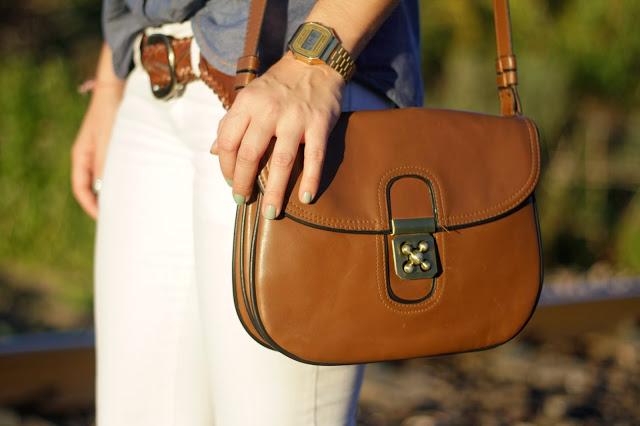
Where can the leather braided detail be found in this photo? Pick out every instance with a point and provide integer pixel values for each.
(154, 58)
(155, 61)
(221, 84)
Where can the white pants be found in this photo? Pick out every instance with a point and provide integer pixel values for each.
(170, 350)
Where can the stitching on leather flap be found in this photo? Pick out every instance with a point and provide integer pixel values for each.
(527, 187)
(298, 211)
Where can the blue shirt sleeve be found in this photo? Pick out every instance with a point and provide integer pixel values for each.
(119, 29)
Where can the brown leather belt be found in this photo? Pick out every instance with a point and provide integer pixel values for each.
(167, 60)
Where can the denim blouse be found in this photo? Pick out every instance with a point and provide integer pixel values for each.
(389, 64)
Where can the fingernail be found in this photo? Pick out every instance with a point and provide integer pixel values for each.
(270, 212)
(306, 197)
(229, 181)
(239, 199)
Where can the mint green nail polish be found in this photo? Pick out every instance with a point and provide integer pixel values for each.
(306, 197)
(239, 199)
(229, 181)
(270, 212)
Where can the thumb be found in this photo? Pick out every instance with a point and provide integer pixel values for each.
(214, 148)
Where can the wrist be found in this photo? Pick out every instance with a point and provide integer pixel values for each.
(95, 85)
(107, 95)
(320, 71)
(315, 43)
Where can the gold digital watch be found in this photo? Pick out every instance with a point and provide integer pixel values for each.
(314, 43)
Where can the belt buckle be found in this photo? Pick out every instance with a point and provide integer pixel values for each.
(173, 89)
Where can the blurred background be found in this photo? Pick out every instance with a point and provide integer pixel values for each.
(578, 361)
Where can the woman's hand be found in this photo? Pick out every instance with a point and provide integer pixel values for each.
(293, 101)
(87, 153)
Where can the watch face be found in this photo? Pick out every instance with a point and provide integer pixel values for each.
(311, 40)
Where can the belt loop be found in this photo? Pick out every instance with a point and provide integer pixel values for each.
(137, 50)
(195, 57)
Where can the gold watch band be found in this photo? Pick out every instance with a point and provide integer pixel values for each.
(315, 43)
(341, 61)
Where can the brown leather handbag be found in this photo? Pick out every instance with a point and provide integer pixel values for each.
(437, 252)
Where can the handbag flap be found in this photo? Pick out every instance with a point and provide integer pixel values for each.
(478, 166)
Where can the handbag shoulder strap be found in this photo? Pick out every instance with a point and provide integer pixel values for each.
(506, 69)
(507, 78)
(248, 64)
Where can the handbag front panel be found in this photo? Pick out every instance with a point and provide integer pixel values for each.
(338, 310)
(322, 285)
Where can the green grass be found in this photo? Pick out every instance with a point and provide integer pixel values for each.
(45, 237)
(579, 66)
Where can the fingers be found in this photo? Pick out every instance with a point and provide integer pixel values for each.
(242, 143)
(100, 154)
(231, 130)
(277, 104)
(280, 165)
(214, 146)
(314, 154)
(81, 179)
(252, 148)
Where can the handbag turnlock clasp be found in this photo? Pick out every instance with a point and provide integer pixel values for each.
(414, 250)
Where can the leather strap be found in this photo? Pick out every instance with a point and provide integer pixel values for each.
(507, 79)
(248, 64)
(507, 75)
(154, 60)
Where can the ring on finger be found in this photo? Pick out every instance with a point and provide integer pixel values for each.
(96, 186)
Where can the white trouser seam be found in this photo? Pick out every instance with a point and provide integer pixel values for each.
(315, 395)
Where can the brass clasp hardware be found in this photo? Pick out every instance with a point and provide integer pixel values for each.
(414, 250)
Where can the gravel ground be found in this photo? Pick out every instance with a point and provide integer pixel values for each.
(592, 379)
